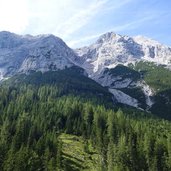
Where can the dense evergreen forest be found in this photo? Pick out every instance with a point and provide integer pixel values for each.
(44, 116)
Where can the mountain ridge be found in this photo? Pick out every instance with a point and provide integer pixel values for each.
(69, 118)
(112, 50)
(24, 53)
(125, 49)
(110, 61)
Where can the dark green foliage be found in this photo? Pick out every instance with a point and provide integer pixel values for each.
(162, 106)
(34, 114)
(69, 81)
(124, 72)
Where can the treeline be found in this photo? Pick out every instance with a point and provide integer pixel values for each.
(32, 117)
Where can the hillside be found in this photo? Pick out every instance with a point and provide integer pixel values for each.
(159, 78)
(136, 70)
(116, 62)
(97, 108)
(52, 123)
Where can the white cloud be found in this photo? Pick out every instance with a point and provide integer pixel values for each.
(133, 24)
(13, 15)
(68, 18)
(118, 4)
(80, 18)
(60, 17)
(118, 28)
(74, 43)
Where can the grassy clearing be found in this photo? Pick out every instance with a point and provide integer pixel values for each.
(78, 154)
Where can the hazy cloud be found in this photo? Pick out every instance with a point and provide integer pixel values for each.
(13, 15)
(81, 21)
(80, 18)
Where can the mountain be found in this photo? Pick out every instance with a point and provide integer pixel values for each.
(133, 69)
(70, 80)
(25, 53)
(112, 49)
(112, 59)
(61, 120)
(83, 110)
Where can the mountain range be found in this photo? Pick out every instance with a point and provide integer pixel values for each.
(135, 70)
(103, 107)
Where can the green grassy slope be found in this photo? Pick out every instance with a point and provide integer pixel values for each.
(49, 123)
(78, 154)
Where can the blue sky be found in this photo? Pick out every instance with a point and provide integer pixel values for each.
(81, 22)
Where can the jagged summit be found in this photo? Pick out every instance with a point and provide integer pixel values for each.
(108, 37)
(105, 61)
(108, 56)
(39, 53)
(112, 49)
(145, 40)
(113, 37)
(8, 39)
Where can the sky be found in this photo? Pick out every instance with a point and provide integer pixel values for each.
(81, 22)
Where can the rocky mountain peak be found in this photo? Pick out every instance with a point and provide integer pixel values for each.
(107, 37)
(112, 49)
(112, 38)
(9, 40)
(39, 53)
(106, 61)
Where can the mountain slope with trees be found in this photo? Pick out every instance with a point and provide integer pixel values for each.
(42, 116)
(159, 78)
